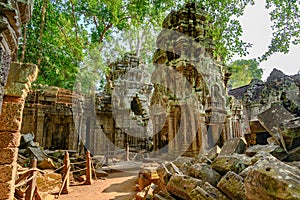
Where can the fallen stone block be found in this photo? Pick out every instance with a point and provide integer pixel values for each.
(235, 145)
(213, 152)
(246, 160)
(233, 186)
(290, 133)
(223, 164)
(162, 196)
(46, 164)
(271, 179)
(294, 164)
(147, 176)
(204, 172)
(274, 150)
(181, 160)
(262, 156)
(142, 194)
(165, 171)
(202, 159)
(188, 188)
(245, 172)
(272, 118)
(293, 155)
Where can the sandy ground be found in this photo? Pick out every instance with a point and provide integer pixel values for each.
(117, 186)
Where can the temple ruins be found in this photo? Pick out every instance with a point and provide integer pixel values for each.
(183, 112)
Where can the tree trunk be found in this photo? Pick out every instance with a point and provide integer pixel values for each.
(40, 47)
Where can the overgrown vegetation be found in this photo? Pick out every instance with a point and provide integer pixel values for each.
(63, 34)
(243, 71)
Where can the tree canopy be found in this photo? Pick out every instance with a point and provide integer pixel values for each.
(243, 71)
(62, 34)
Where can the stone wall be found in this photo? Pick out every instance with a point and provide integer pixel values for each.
(18, 83)
(15, 81)
(48, 113)
(12, 15)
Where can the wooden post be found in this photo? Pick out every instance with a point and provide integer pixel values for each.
(127, 152)
(31, 185)
(66, 174)
(88, 171)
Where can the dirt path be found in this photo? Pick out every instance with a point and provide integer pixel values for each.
(117, 186)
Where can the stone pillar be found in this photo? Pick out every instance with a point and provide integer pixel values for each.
(171, 132)
(194, 124)
(40, 126)
(18, 84)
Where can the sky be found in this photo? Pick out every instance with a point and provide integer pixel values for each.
(257, 30)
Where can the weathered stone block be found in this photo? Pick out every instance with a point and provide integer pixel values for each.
(204, 172)
(271, 179)
(147, 176)
(235, 145)
(223, 164)
(294, 155)
(290, 133)
(16, 89)
(213, 152)
(246, 160)
(272, 118)
(6, 191)
(274, 150)
(181, 160)
(9, 139)
(163, 196)
(11, 116)
(189, 188)
(244, 173)
(8, 155)
(22, 73)
(233, 186)
(202, 159)
(262, 156)
(7, 173)
(165, 171)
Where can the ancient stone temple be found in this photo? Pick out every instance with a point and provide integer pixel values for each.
(62, 119)
(15, 81)
(188, 103)
(123, 108)
(279, 92)
(48, 114)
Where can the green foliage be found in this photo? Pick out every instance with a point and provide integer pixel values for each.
(92, 72)
(243, 71)
(285, 16)
(65, 43)
(61, 50)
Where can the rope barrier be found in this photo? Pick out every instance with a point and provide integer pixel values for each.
(78, 163)
(29, 170)
(79, 170)
(24, 182)
(57, 169)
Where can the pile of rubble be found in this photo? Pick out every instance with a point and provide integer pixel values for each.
(233, 172)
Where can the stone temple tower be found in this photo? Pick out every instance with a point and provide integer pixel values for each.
(188, 103)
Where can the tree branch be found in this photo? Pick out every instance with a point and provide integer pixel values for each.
(75, 21)
(44, 9)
